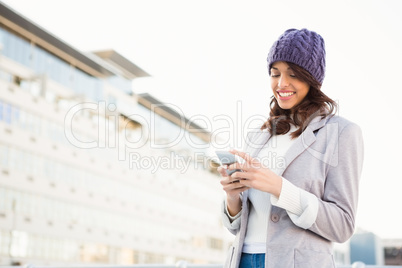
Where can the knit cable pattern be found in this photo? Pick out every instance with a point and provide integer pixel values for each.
(302, 47)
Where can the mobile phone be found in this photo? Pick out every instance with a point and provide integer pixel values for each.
(227, 158)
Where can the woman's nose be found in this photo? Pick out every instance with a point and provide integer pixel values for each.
(283, 82)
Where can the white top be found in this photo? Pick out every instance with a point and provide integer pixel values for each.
(301, 206)
(272, 156)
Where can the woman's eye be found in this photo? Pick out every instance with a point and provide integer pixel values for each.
(275, 75)
(292, 75)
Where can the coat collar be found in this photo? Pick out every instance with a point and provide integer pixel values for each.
(301, 144)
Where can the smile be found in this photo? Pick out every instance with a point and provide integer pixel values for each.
(285, 94)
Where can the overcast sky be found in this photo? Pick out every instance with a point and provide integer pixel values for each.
(209, 58)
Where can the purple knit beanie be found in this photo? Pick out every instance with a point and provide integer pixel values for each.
(302, 47)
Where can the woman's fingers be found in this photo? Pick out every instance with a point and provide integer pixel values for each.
(238, 165)
(248, 164)
(243, 155)
(244, 176)
(229, 180)
(222, 171)
(233, 186)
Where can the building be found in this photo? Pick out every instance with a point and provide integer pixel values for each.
(91, 172)
(342, 253)
(366, 247)
(392, 251)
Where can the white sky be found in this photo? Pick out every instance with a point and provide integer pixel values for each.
(205, 56)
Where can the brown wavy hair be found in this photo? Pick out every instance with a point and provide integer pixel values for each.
(315, 103)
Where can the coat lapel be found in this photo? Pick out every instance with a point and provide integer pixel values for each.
(258, 143)
(303, 142)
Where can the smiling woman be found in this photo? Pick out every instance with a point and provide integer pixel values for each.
(288, 89)
(288, 216)
(296, 93)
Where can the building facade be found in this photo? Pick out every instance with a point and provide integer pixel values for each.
(91, 172)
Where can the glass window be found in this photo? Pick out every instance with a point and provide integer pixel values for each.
(34, 87)
(2, 37)
(37, 166)
(24, 203)
(2, 201)
(4, 156)
(8, 44)
(16, 48)
(39, 60)
(16, 202)
(39, 207)
(4, 242)
(55, 131)
(22, 119)
(24, 52)
(31, 246)
(15, 115)
(7, 108)
(48, 168)
(36, 124)
(28, 122)
(1, 110)
(60, 137)
(13, 155)
(6, 76)
(29, 164)
(9, 197)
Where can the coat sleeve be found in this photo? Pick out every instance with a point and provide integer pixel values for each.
(301, 206)
(337, 207)
(232, 223)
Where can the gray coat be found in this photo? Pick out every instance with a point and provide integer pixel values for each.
(326, 160)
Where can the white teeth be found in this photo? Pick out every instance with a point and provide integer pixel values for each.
(285, 94)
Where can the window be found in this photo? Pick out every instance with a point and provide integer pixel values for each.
(214, 243)
(19, 244)
(4, 156)
(5, 112)
(5, 76)
(4, 242)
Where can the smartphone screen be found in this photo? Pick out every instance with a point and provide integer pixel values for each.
(227, 158)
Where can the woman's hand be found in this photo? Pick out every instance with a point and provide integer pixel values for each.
(231, 185)
(255, 175)
(233, 188)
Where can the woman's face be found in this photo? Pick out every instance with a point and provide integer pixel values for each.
(288, 90)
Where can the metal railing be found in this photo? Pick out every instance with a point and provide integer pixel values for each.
(362, 265)
(180, 264)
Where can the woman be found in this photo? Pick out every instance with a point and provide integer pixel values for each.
(297, 192)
